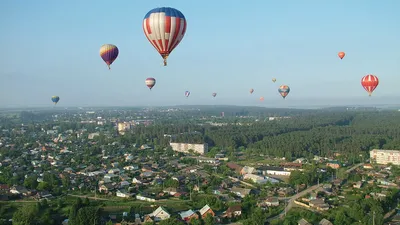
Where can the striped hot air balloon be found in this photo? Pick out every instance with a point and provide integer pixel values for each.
(284, 90)
(164, 28)
(369, 83)
(187, 93)
(150, 82)
(109, 54)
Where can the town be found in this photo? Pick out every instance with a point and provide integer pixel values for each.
(200, 165)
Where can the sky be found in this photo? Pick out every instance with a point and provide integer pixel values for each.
(52, 48)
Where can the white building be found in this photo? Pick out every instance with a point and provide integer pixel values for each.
(185, 147)
(381, 156)
(160, 214)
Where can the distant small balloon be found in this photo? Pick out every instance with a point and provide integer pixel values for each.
(251, 91)
(261, 98)
(274, 80)
(55, 99)
(150, 82)
(214, 94)
(187, 93)
(341, 55)
(284, 90)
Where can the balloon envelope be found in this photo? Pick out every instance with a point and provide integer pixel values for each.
(261, 98)
(284, 90)
(150, 82)
(251, 91)
(214, 94)
(273, 80)
(55, 99)
(165, 28)
(109, 53)
(341, 55)
(369, 83)
(187, 93)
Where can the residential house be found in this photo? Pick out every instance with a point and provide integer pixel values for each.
(145, 198)
(303, 222)
(170, 191)
(247, 170)
(19, 190)
(234, 166)
(205, 211)
(137, 181)
(105, 188)
(255, 178)
(272, 201)
(188, 215)
(325, 222)
(159, 214)
(333, 164)
(241, 192)
(4, 188)
(44, 195)
(233, 211)
(123, 194)
(358, 185)
(131, 167)
(114, 171)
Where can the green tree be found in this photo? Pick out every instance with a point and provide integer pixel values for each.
(194, 221)
(209, 220)
(26, 215)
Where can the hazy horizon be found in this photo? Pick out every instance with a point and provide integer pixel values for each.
(52, 48)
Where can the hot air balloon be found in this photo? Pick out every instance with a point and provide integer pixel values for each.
(164, 28)
(187, 93)
(274, 80)
(341, 55)
(150, 82)
(109, 53)
(370, 82)
(214, 94)
(284, 90)
(55, 99)
(261, 98)
(251, 91)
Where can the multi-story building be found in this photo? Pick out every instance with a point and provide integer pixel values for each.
(185, 147)
(381, 156)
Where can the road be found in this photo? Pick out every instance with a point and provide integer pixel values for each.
(291, 201)
(354, 167)
(97, 198)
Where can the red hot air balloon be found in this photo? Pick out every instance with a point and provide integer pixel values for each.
(341, 55)
(261, 98)
(164, 28)
(109, 53)
(150, 82)
(369, 83)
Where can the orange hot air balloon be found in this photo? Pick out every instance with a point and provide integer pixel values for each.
(261, 98)
(341, 55)
(251, 91)
(369, 83)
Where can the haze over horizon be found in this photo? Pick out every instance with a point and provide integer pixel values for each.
(52, 48)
